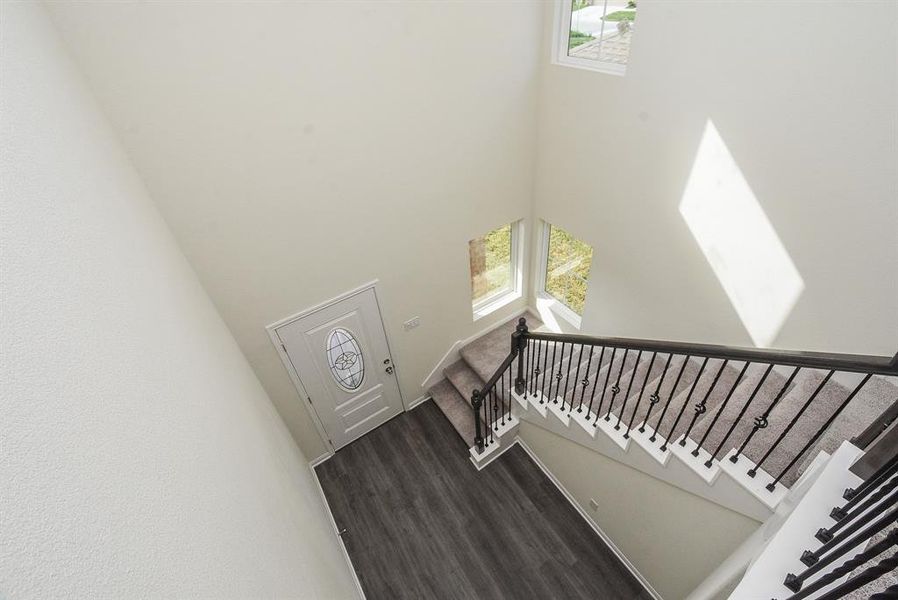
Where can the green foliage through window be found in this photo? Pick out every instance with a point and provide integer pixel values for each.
(578, 38)
(490, 258)
(567, 268)
(621, 15)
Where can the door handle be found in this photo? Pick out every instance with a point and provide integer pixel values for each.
(389, 370)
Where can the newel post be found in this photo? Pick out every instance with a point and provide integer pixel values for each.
(477, 402)
(519, 343)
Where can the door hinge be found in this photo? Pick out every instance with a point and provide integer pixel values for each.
(284, 347)
(309, 398)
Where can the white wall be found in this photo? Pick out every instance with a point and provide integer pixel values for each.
(804, 95)
(674, 539)
(140, 455)
(298, 150)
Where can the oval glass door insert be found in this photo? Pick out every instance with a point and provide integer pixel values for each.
(345, 359)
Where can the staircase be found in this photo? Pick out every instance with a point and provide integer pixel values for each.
(737, 426)
(477, 363)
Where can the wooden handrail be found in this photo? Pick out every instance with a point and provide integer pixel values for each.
(856, 363)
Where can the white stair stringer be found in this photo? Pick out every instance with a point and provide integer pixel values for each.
(680, 470)
(607, 425)
(503, 438)
(561, 411)
(652, 447)
(793, 530)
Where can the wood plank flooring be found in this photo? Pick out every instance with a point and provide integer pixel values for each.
(422, 522)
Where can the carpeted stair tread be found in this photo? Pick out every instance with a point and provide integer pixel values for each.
(705, 389)
(643, 386)
(765, 395)
(463, 378)
(826, 402)
(871, 401)
(485, 354)
(456, 409)
(663, 420)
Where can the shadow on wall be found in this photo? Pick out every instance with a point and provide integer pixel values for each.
(738, 240)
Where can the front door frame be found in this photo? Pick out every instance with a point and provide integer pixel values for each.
(294, 376)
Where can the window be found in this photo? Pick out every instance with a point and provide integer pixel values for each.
(495, 269)
(345, 359)
(595, 34)
(565, 263)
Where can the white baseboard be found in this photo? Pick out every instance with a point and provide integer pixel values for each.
(324, 457)
(415, 403)
(595, 527)
(330, 516)
(452, 355)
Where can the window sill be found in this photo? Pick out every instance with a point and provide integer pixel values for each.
(495, 304)
(591, 65)
(558, 308)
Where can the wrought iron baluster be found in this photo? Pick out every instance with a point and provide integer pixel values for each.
(605, 385)
(754, 471)
(620, 412)
(884, 566)
(502, 398)
(809, 557)
(528, 369)
(556, 375)
(723, 406)
(772, 486)
(794, 582)
(615, 389)
(761, 421)
(510, 380)
(882, 473)
(595, 381)
(552, 373)
(567, 378)
(827, 535)
(655, 398)
(670, 397)
(641, 393)
(861, 579)
(534, 382)
(576, 380)
(542, 389)
(702, 406)
(488, 412)
(685, 404)
(585, 381)
(741, 413)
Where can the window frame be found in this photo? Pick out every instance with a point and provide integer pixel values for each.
(543, 297)
(561, 34)
(497, 300)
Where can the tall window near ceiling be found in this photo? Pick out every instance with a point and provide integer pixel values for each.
(565, 262)
(595, 34)
(495, 260)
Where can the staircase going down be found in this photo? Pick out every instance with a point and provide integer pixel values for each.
(760, 420)
(749, 429)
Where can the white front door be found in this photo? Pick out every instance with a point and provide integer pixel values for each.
(341, 356)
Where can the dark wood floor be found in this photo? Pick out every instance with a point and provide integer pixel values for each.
(422, 522)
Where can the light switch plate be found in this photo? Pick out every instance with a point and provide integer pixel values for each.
(411, 323)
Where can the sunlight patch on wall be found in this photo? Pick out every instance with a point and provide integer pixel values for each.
(739, 241)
